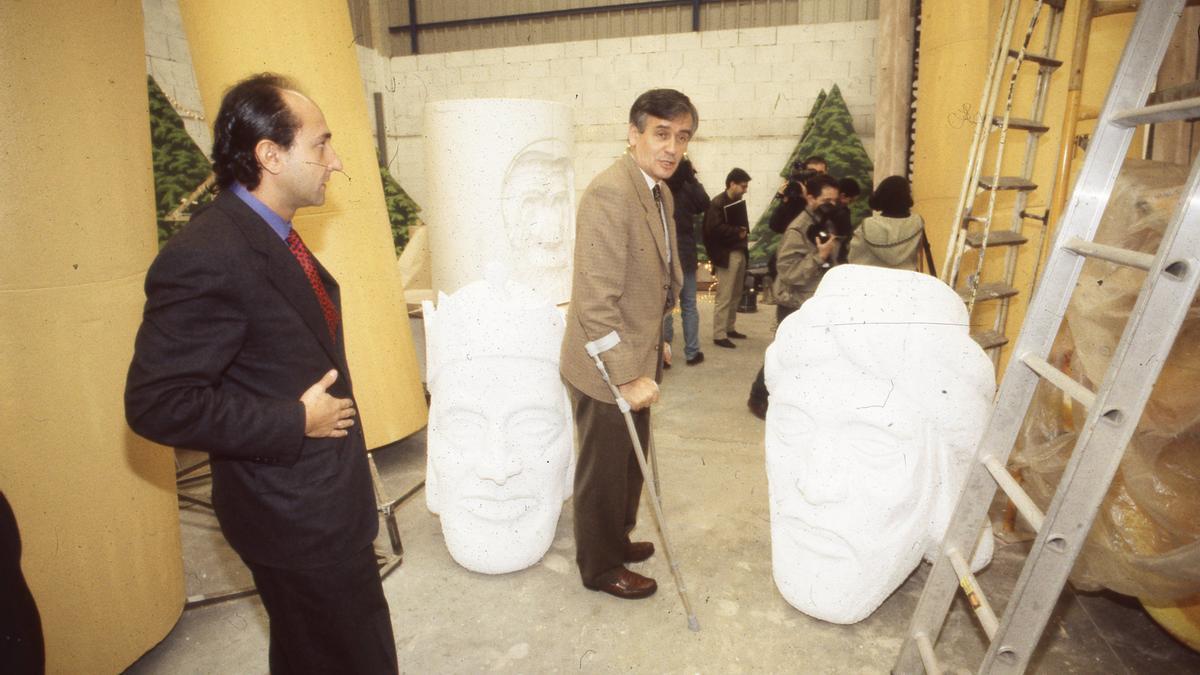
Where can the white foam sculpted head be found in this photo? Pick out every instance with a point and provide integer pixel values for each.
(500, 455)
(878, 396)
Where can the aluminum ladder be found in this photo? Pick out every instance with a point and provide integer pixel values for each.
(1114, 410)
(982, 180)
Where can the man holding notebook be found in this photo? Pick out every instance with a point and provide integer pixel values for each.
(725, 229)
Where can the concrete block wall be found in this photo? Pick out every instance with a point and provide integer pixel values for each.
(169, 62)
(753, 88)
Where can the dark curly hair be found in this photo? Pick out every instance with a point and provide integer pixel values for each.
(251, 111)
(892, 197)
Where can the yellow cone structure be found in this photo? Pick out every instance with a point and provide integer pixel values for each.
(311, 42)
(95, 504)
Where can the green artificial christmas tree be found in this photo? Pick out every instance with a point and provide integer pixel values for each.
(179, 165)
(830, 133)
(402, 210)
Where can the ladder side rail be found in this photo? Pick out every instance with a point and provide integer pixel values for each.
(1001, 146)
(943, 583)
(1088, 474)
(1132, 83)
(1032, 143)
(1153, 325)
(954, 244)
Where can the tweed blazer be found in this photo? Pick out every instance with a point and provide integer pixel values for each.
(622, 280)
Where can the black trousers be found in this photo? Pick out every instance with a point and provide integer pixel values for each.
(608, 483)
(22, 646)
(331, 619)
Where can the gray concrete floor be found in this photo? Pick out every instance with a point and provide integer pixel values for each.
(541, 620)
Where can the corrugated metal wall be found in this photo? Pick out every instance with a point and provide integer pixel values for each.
(650, 20)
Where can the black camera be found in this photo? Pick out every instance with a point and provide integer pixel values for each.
(794, 190)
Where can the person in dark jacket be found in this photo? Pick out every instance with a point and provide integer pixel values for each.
(726, 246)
(691, 201)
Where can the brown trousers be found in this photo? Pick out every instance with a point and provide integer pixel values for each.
(608, 483)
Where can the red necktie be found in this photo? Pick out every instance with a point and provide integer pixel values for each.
(305, 258)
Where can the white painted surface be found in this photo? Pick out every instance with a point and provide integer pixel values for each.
(878, 397)
(503, 190)
(501, 443)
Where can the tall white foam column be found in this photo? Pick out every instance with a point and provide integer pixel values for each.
(501, 189)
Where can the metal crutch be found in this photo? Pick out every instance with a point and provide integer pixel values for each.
(594, 349)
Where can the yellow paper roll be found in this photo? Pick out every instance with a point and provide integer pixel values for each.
(311, 42)
(95, 504)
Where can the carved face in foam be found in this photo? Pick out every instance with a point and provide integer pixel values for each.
(877, 398)
(500, 447)
(537, 196)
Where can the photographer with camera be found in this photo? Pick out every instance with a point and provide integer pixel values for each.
(811, 244)
(792, 195)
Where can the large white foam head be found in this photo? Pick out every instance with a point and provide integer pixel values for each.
(878, 396)
(500, 442)
(501, 187)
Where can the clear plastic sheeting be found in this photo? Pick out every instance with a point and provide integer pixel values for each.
(1145, 541)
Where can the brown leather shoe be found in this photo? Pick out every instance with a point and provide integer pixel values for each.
(625, 584)
(637, 551)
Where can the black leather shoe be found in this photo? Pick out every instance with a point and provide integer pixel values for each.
(724, 342)
(696, 360)
(624, 584)
(637, 551)
(758, 408)
(736, 335)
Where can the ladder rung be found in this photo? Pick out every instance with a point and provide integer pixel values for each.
(1178, 92)
(1059, 379)
(1156, 114)
(996, 238)
(1033, 515)
(992, 290)
(1040, 59)
(1113, 254)
(1021, 123)
(925, 647)
(990, 339)
(1033, 216)
(1007, 183)
(974, 219)
(975, 597)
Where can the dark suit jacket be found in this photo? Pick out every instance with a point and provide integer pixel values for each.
(690, 201)
(231, 336)
(720, 237)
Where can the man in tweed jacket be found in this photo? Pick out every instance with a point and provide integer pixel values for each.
(626, 269)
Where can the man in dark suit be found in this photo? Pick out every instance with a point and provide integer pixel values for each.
(240, 354)
(626, 271)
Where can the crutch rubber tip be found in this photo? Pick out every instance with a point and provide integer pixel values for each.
(693, 624)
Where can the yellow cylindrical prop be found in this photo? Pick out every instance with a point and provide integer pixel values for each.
(1181, 620)
(95, 504)
(311, 42)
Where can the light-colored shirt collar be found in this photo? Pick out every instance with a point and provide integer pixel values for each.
(280, 226)
(650, 182)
